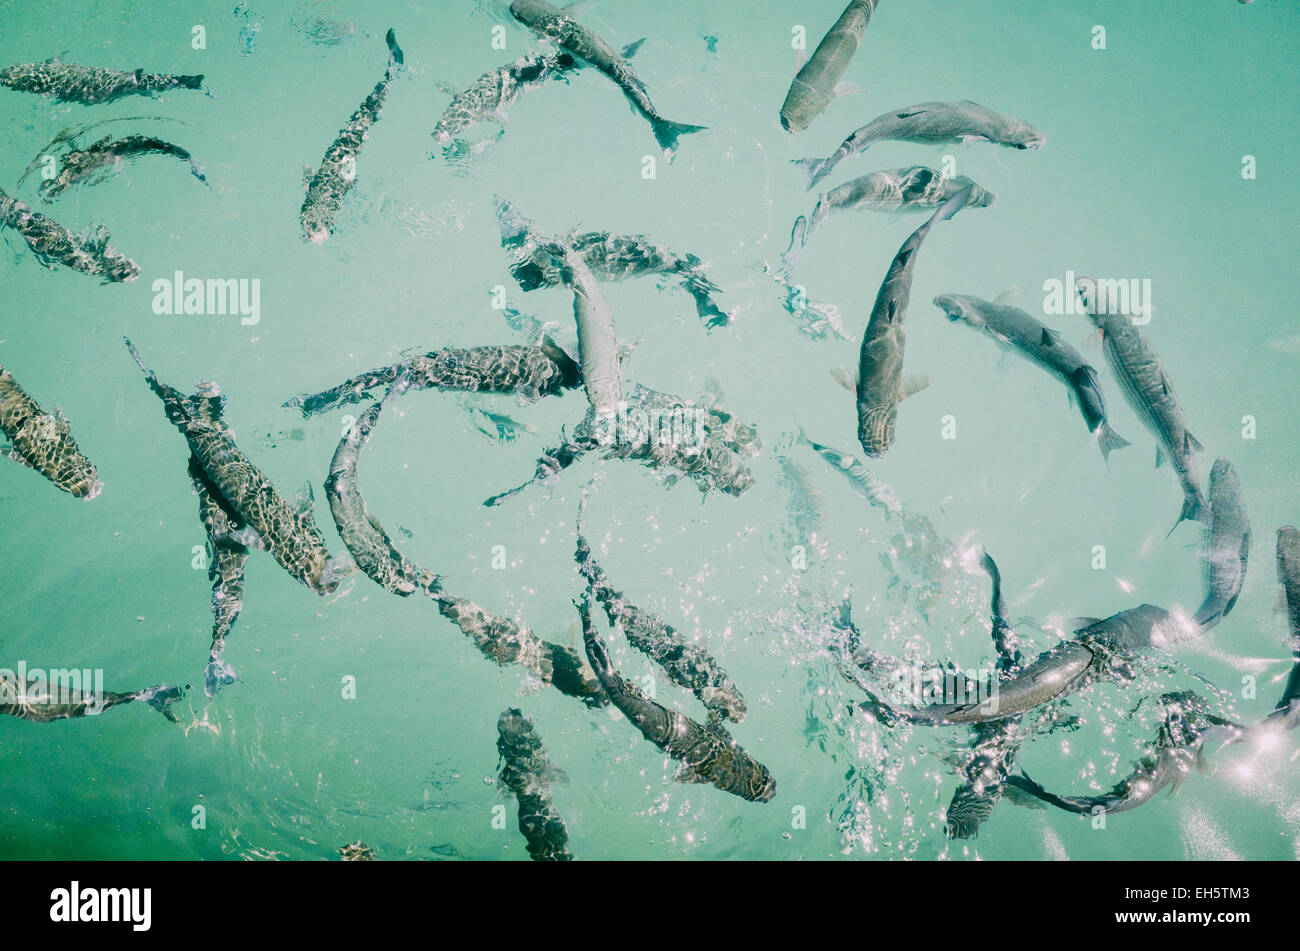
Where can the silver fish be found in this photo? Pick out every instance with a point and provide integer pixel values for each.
(79, 164)
(42, 701)
(933, 123)
(492, 92)
(558, 26)
(880, 360)
(1149, 390)
(1227, 545)
(1014, 329)
(861, 479)
(814, 87)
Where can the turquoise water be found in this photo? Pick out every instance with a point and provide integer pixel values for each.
(1141, 177)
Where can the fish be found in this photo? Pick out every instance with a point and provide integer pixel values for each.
(527, 372)
(1227, 545)
(931, 123)
(90, 85)
(288, 532)
(817, 82)
(338, 170)
(227, 556)
(665, 432)
(567, 33)
(42, 701)
(52, 243)
(365, 539)
(878, 387)
(79, 164)
(602, 377)
(526, 772)
(1288, 575)
(861, 479)
(356, 851)
(43, 442)
(804, 501)
(687, 665)
(899, 190)
(1015, 330)
(706, 757)
(501, 640)
(1180, 743)
(1149, 391)
(538, 260)
(492, 92)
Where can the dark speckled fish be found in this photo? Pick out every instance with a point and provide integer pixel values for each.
(338, 170)
(492, 92)
(538, 260)
(710, 454)
(507, 643)
(80, 164)
(687, 665)
(706, 756)
(366, 541)
(226, 558)
(90, 85)
(528, 372)
(44, 442)
(54, 244)
(42, 701)
(526, 772)
(289, 533)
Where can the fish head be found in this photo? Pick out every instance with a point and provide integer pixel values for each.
(958, 307)
(532, 12)
(1022, 135)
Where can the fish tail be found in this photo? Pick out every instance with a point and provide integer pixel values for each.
(1209, 614)
(1108, 440)
(819, 213)
(161, 698)
(798, 238)
(394, 51)
(191, 82)
(817, 169)
(666, 134)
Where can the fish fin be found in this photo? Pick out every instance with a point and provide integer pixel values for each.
(1192, 511)
(632, 48)
(908, 114)
(848, 89)
(1109, 440)
(1076, 624)
(911, 385)
(1008, 297)
(218, 673)
(972, 138)
(688, 775)
(1160, 457)
(666, 134)
(447, 88)
(1050, 338)
(1192, 444)
(953, 205)
(12, 452)
(139, 75)
(846, 377)
(305, 499)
